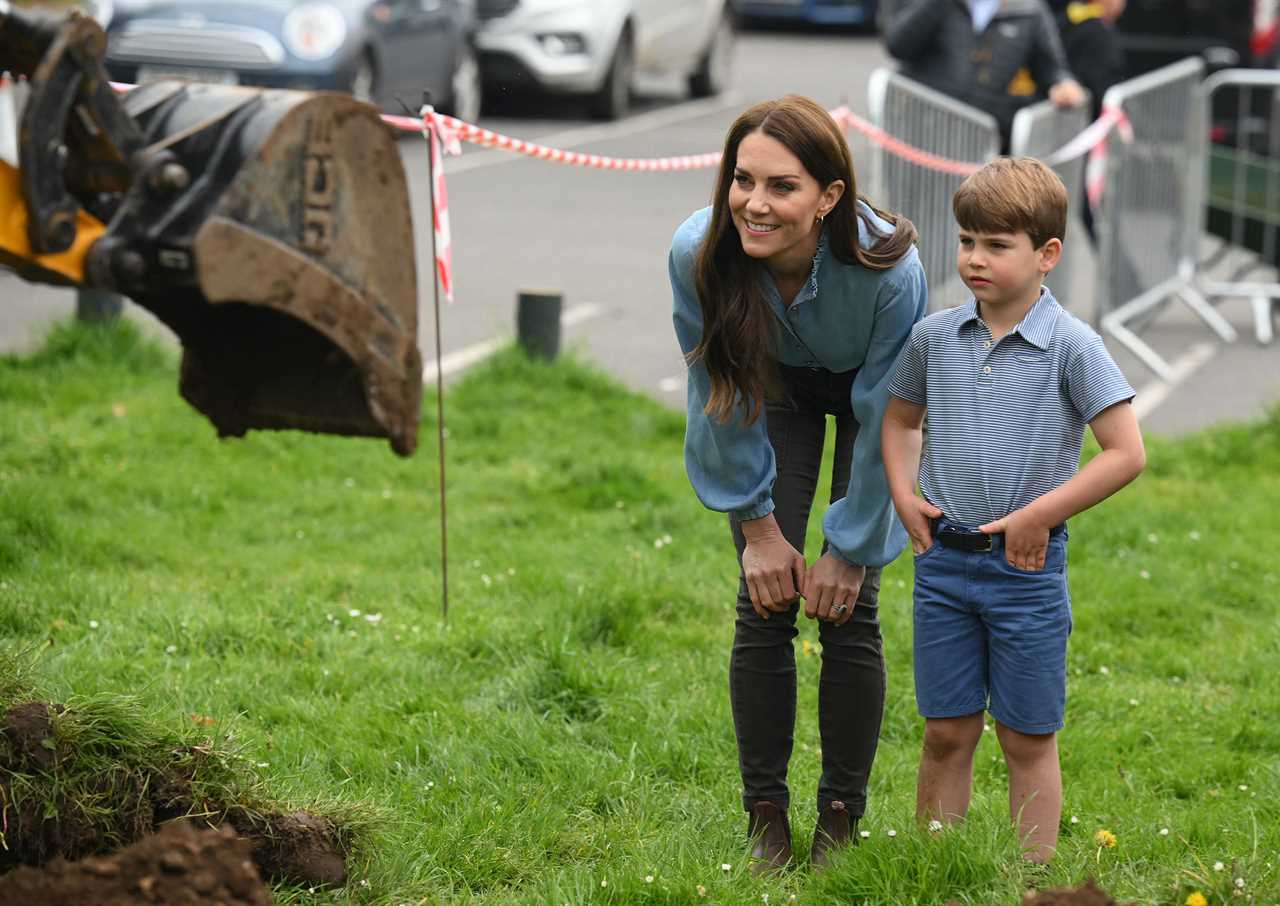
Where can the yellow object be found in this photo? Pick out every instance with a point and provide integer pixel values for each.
(1196, 898)
(1023, 85)
(1083, 12)
(15, 248)
(1105, 838)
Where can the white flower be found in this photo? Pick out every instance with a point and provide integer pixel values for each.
(1193, 535)
(1104, 670)
(1134, 702)
(935, 825)
(171, 649)
(93, 624)
(1153, 538)
(648, 879)
(1239, 883)
(1164, 831)
(865, 835)
(373, 617)
(658, 542)
(666, 539)
(891, 832)
(604, 883)
(1243, 787)
(724, 866)
(1075, 819)
(353, 613)
(1218, 866)
(486, 580)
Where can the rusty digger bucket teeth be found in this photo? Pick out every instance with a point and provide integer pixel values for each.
(270, 230)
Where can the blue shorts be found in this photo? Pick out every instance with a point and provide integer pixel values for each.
(992, 637)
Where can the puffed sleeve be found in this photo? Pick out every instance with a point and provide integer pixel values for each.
(862, 528)
(731, 465)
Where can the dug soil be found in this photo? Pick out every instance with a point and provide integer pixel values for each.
(122, 805)
(1088, 894)
(181, 865)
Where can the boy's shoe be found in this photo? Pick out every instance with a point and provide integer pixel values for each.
(835, 830)
(770, 836)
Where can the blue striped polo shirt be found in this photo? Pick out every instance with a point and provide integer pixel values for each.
(1006, 419)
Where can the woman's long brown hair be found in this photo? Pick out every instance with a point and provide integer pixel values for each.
(739, 331)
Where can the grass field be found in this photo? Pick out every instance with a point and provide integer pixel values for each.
(565, 737)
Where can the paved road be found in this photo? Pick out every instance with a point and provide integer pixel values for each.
(601, 237)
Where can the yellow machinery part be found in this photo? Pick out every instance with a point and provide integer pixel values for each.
(15, 248)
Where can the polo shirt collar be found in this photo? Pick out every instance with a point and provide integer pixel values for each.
(1036, 326)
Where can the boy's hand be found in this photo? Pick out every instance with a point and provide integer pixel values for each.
(829, 584)
(1026, 540)
(1066, 93)
(915, 515)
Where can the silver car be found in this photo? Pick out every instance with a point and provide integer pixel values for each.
(595, 48)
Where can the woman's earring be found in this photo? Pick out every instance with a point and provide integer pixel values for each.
(820, 216)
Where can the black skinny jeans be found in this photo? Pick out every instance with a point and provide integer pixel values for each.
(762, 667)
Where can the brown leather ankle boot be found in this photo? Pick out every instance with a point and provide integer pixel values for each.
(835, 830)
(770, 836)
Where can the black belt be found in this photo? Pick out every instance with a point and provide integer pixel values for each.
(973, 542)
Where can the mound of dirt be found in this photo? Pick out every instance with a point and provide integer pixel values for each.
(1087, 894)
(125, 805)
(182, 865)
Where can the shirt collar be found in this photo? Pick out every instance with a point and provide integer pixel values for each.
(1036, 326)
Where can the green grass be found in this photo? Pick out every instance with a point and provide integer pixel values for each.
(566, 735)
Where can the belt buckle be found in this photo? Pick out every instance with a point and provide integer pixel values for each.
(972, 542)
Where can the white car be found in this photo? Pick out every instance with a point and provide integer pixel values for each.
(595, 48)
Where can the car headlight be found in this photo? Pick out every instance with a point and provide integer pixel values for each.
(314, 31)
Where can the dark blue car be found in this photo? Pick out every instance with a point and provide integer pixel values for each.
(814, 12)
(375, 49)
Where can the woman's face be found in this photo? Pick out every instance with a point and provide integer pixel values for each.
(775, 202)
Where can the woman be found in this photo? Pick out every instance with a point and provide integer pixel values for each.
(792, 298)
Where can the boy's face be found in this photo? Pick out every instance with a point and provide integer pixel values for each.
(1003, 268)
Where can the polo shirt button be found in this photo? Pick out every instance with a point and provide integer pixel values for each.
(986, 344)
(986, 369)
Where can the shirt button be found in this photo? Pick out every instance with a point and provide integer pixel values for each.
(986, 369)
(986, 344)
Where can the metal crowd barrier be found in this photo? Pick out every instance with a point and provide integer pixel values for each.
(1150, 215)
(932, 122)
(1243, 187)
(1038, 131)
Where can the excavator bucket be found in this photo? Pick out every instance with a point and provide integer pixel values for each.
(288, 273)
(270, 230)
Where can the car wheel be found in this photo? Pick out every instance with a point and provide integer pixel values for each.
(613, 100)
(465, 89)
(713, 73)
(364, 81)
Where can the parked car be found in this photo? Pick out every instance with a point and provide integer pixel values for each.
(595, 48)
(812, 12)
(375, 49)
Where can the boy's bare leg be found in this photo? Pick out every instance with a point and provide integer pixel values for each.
(1035, 789)
(945, 782)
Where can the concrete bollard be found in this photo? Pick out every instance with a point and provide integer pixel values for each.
(538, 323)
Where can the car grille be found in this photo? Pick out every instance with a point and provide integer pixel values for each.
(492, 9)
(241, 48)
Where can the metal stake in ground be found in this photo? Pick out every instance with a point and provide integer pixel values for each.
(435, 285)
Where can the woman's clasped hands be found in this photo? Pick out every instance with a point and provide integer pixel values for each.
(776, 575)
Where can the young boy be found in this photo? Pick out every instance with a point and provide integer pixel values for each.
(1009, 381)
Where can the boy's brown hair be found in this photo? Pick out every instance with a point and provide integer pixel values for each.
(1013, 195)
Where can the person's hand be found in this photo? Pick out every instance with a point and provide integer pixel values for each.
(915, 515)
(1112, 10)
(1025, 539)
(775, 573)
(1066, 93)
(831, 589)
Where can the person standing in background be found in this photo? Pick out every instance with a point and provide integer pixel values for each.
(996, 55)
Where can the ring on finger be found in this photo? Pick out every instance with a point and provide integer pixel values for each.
(839, 609)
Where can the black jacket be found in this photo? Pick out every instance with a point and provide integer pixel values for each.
(1007, 66)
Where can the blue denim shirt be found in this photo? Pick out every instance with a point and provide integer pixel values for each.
(846, 317)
